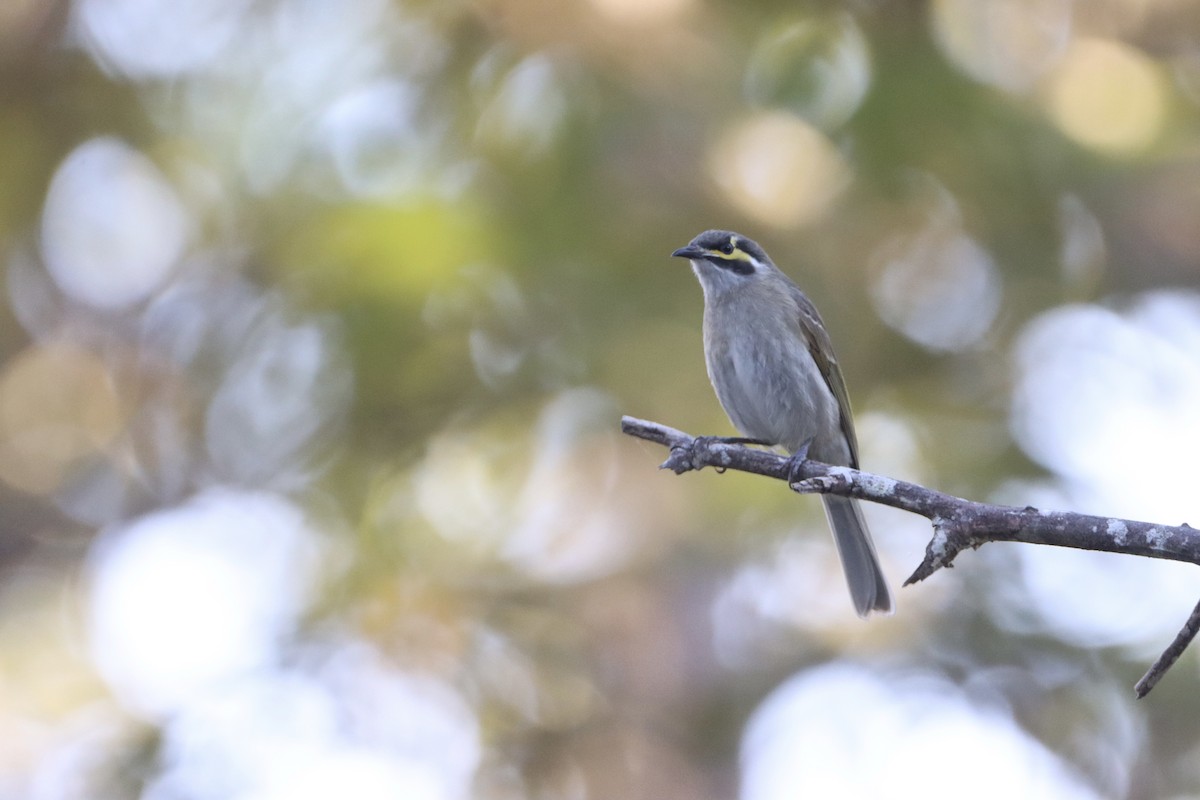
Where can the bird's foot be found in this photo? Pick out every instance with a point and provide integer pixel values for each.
(796, 463)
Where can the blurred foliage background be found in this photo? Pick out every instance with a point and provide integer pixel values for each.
(320, 317)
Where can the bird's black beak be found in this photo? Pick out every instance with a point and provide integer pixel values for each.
(691, 251)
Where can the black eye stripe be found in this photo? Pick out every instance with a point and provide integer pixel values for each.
(735, 265)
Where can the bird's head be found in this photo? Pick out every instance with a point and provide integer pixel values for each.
(724, 260)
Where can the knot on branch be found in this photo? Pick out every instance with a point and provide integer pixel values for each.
(818, 484)
(696, 454)
(949, 539)
(682, 459)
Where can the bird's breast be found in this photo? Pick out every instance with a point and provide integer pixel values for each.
(767, 381)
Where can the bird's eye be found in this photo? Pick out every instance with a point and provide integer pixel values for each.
(726, 248)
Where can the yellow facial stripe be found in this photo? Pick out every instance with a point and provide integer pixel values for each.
(738, 254)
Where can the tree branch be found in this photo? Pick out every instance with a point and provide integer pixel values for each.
(958, 524)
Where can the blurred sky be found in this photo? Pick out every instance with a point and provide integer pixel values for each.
(320, 318)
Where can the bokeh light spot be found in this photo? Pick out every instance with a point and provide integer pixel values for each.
(641, 12)
(568, 528)
(58, 407)
(1057, 593)
(839, 731)
(554, 520)
(158, 38)
(187, 597)
(1096, 387)
(286, 388)
(458, 491)
(1005, 43)
(113, 228)
(778, 169)
(350, 725)
(1094, 384)
(819, 68)
(937, 285)
(373, 139)
(1108, 96)
(524, 113)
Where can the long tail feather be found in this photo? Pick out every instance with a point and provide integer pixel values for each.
(868, 588)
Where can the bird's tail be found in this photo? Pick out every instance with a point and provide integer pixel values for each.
(868, 588)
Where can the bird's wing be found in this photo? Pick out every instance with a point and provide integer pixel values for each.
(821, 350)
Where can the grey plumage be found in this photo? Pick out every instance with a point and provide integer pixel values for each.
(772, 365)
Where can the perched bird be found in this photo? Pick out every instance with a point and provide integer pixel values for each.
(772, 365)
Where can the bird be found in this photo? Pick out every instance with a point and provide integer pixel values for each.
(772, 366)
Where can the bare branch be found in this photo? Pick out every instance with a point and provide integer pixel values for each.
(1170, 655)
(958, 524)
